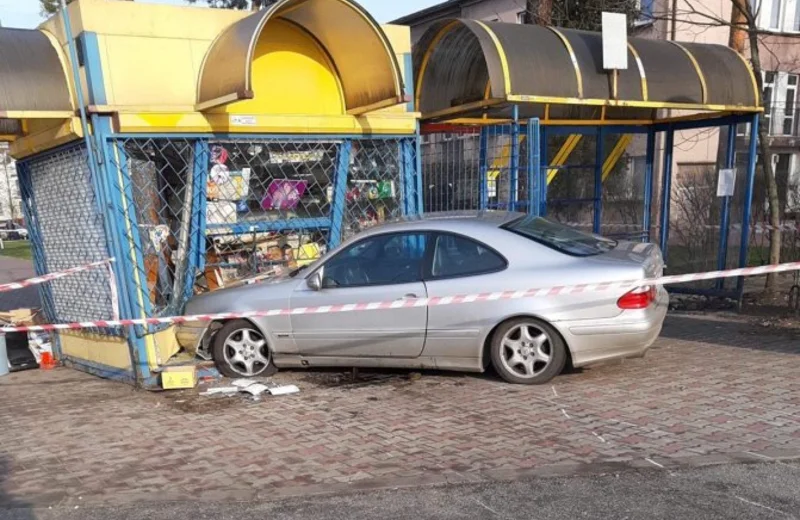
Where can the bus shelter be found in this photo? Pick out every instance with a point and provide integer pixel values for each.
(505, 109)
(197, 147)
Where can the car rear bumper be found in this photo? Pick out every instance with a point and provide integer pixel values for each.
(628, 335)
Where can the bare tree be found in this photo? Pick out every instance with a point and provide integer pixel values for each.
(748, 39)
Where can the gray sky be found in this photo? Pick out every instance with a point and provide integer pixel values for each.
(25, 13)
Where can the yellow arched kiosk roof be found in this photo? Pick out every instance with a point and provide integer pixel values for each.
(299, 67)
(338, 35)
(470, 69)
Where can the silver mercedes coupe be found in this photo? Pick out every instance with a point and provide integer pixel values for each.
(526, 340)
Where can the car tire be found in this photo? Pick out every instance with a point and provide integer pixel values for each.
(240, 350)
(528, 351)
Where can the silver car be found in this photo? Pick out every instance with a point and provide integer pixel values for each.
(527, 340)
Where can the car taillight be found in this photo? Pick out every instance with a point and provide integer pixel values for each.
(639, 298)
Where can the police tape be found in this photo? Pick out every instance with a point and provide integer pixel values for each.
(418, 302)
(52, 276)
(757, 228)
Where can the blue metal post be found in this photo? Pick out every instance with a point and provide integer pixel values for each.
(483, 188)
(725, 220)
(418, 172)
(197, 249)
(648, 182)
(534, 162)
(666, 192)
(748, 199)
(598, 180)
(339, 202)
(544, 163)
(409, 177)
(513, 174)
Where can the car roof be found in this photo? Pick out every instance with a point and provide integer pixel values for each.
(452, 220)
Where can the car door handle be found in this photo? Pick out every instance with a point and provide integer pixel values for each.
(408, 296)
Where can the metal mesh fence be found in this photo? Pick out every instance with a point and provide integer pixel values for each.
(206, 214)
(67, 230)
(475, 167)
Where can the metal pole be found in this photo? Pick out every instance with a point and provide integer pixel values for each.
(76, 77)
(534, 160)
(513, 174)
(725, 220)
(598, 180)
(666, 191)
(483, 188)
(648, 182)
(748, 200)
(543, 165)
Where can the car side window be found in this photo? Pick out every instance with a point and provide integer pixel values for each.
(456, 256)
(380, 260)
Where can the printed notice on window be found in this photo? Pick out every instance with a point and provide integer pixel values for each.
(243, 120)
(727, 182)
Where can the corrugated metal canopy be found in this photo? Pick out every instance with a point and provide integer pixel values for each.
(360, 51)
(467, 68)
(32, 76)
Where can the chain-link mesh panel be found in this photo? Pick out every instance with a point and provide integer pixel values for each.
(62, 207)
(160, 184)
(255, 206)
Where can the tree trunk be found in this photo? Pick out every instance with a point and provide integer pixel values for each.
(738, 36)
(743, 8)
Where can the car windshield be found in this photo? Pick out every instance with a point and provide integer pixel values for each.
(560, 237)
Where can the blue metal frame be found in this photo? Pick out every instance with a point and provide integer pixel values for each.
(544, 161)
(339, 202)
(725, 218)
(101, 370)
(483, 167)
(408, 178)
(200, 204)
(648, 183)
(110, 195)
(666, 192)
(534, 166)
(513, 177)
(748, 198)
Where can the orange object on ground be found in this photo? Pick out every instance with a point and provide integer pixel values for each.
(48, 361)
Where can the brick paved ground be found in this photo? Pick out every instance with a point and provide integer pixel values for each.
(711, 386)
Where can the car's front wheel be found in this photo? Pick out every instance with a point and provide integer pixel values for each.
(528, 351)
(240, 350)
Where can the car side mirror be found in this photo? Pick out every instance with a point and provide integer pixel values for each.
(314, 282)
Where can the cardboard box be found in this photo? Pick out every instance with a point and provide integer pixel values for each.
(176, 378)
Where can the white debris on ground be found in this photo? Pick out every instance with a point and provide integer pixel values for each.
(252, 388)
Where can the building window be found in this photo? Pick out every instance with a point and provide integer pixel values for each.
(646, 10)
(521, 17)
(777, 15)
(780, 103)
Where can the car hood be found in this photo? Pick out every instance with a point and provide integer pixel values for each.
(255, 297)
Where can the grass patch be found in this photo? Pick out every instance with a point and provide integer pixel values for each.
(17, 249)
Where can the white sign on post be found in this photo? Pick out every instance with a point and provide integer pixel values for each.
(727, 182)
(615, 41)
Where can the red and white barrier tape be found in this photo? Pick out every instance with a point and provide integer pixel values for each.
(755, 228)
(52, 276)
(420, 302)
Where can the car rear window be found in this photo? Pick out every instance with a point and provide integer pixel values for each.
(560, 237)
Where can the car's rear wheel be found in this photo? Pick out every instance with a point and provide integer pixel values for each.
(240, 350)
(528, 351)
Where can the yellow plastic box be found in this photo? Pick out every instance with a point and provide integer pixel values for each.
(176, 378)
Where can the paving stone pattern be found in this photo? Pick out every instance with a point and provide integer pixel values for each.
(710, 386)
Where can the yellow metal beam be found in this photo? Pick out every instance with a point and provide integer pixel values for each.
(615, 155)
(563, 154)
(501, 161)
